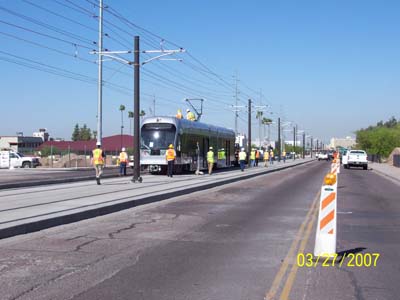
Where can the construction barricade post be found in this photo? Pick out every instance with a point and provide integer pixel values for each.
(325, 239)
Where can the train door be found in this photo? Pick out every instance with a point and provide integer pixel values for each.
(228, 153)
(206, 143)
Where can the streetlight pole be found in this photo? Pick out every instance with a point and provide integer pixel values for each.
(294, 142)
(100, 78)
(279, 140)
(136, 111)
(249, 130)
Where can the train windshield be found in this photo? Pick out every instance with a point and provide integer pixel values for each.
(157, 136)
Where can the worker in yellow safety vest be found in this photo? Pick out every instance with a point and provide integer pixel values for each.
(210, 160)
(179, 114)
(123, 161)
(98, 161)
(266, 158)
(271, 157)
(221, 154)
(190, 115)
(242, 159)
(252, 157)
(170, 156)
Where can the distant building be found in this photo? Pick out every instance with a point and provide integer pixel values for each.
(111, 144)
(42, 134)
(298, 142)
(20, 143)
(347, 142)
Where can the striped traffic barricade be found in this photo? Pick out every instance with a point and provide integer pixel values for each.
(325, 238)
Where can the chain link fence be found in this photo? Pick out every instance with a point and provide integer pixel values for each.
(51, 157)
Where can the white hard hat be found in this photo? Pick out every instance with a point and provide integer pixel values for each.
(188, 110)
(242, 149)
(98, 144)
(123, 148)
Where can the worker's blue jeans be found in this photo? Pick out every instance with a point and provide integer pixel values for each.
(122, 168)
(242, 162)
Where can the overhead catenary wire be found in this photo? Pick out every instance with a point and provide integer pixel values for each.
(60, 15)
(182, 82)
(49, 27)
(72, 43)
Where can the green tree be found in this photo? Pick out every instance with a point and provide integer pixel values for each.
(266, 121)
(46, 151)
(76, 133)
(130, 116)
(85, 133)
(380, 139)
(121, 109)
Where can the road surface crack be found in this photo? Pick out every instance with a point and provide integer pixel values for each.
(80, 246)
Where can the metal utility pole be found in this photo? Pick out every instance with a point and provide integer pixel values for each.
(136, 111)
(294, 142)
(260, 114)
(100, 77)
(304, 145)
(311, 147)
(279, 139)
(249, 130)
(269, 134)
(154, 105)
(136, 101)
(259, 129)
(236, 105)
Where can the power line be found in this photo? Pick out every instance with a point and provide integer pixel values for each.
(49, 27)
(46, 35)
(59, 15)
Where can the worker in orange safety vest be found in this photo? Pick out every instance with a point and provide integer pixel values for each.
(170, 156)
(179, 114)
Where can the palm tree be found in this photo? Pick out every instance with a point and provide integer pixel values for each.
(130, 116)
(122, 108)
(142, 113)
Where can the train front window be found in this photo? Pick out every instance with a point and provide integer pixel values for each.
(157, 136)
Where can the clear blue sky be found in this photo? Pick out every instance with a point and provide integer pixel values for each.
(331, 67)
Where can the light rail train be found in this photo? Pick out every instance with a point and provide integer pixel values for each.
(191, 142)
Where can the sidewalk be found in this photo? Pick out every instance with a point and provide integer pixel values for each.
(30, 209)
(386, 170)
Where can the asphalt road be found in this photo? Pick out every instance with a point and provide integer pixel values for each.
(368, 224)
(239, 241)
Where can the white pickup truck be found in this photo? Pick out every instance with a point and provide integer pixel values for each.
(323, 155)
(11, 159)
(356, 158)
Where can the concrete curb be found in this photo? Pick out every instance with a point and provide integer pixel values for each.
(52, 181)
(101, 211)
(386, 175)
